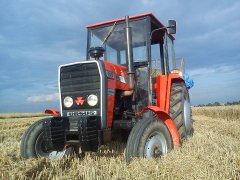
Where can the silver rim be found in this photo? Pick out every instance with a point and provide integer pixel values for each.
(53, 155)
(187, 116)
(156, 145)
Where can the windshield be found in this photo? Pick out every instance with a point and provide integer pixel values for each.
(113, 39)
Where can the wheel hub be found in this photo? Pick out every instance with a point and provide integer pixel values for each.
(157, 152)
(156, 146)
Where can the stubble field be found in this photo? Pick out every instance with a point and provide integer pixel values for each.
(212, 153)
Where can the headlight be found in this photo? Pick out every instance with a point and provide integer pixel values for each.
(92, 100)
(68, 101)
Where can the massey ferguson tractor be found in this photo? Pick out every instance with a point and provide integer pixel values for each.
(129, 86)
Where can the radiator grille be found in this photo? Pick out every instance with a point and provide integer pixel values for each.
(80, 80)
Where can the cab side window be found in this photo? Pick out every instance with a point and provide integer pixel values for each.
(171, 53)
(156, 60)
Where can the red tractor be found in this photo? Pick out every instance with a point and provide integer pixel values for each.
(129, 86)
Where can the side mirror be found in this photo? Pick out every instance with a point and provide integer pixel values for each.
(171, 26)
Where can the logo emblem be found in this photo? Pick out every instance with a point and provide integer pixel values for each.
(79, 100)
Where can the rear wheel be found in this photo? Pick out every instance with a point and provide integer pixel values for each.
(33, 144)
(149, 138)
(180, 110)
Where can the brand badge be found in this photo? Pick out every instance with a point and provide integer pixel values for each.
(79, 100)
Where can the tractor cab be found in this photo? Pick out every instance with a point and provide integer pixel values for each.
(151, 50)
(151, 43)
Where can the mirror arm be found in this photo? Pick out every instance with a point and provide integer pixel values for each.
(158, 30)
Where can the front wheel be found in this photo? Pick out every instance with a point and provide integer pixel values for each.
(149, 138)
(33, 144)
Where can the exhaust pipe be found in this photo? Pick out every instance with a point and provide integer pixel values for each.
(129, 55)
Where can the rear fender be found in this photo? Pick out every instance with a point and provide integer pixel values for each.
(164, 116)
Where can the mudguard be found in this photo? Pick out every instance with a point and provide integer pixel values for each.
(164, 116)
(52, 112)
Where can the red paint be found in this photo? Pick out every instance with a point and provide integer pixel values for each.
(52, 112)
(111, 103)
(119, 20)
(164, 116)
(114, 84)
(130, 17)
(79, 100)
(163, 90)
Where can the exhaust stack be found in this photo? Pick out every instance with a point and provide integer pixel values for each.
(129, 54)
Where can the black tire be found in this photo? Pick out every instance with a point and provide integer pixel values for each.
(145, 133)
(178, 112)
(32, 144)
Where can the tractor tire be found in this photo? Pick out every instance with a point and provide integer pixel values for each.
(32, 144)
(180, 110)
(149, 138)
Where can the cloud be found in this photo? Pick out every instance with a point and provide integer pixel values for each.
(216, 83)
(44, 98)
(35, 40)
(214, 70)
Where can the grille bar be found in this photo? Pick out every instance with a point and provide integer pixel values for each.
(74, 73)
(79, 92)
(80, 87)
(79, 80)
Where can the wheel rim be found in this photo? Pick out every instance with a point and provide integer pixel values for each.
(41, 150)
(156, 145)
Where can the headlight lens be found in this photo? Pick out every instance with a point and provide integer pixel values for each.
(92, 100)
(68, 101)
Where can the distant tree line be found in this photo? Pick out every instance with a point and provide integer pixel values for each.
(220, 104)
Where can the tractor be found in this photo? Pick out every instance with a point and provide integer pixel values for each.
(130, 86)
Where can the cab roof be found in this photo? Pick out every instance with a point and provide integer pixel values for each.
(155, 23)
(123, 19)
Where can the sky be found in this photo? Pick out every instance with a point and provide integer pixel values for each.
(38, 36)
